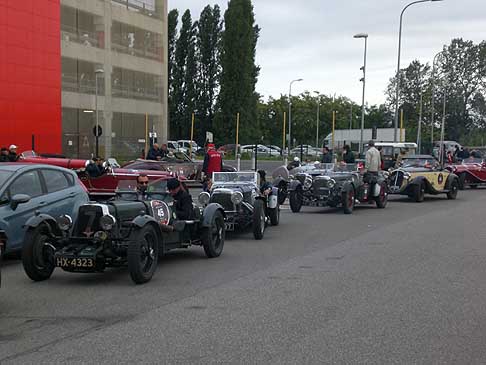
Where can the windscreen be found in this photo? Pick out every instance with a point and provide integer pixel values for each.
(4, 175)
(234, 177)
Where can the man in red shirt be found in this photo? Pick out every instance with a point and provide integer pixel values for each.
(213, 162)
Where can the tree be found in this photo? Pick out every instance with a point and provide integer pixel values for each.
(172, 21)
(208, 40)
(239, 73)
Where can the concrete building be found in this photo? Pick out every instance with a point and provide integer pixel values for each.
(61, 60)
(114, 59)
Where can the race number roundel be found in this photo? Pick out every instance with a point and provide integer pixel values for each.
(440, 179)
(160, 211)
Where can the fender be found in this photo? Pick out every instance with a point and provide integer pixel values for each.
(294, 185)
(279, 180)
(142, 220)
(348, 186)
(37, 220)
(209, 212)
(452, 177)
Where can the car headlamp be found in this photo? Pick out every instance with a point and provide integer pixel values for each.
(107, 222)
(236, 197)
(386, 174)
(406, 176)
(204, 198)
(331, 183)
(64, 222)
(101, 235)
(307, 183)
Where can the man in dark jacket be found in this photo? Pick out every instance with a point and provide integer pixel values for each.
(326, 155)
(95, 168)
(154, 153)
(4, 155)
(182, 200)
(348, 155)
(265, 186)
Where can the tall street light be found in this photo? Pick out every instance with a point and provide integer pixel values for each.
(290, 114)
(365, 37)
(99, 71)
(397, 94)
(317, 118)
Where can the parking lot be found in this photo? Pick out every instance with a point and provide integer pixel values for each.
(377, 286)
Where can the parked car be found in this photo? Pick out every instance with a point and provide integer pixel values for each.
(174, 146)
(391, 150)
(422, 174)
(307, 151)
(227, 148)
(449, 146)
(30, 192)
(177, 163)
(131, 230)
(471, 172)
(187, 144)
(336, 185)
(244, 205)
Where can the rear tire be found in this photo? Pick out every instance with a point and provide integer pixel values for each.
(348, 201)
(295, 200)
(282, 192)
(213, 237)
(419, 192)
(462, 181)
(143, 252)
(382, 199)
(452, 194)
(274, 215)
(37, 257)
(258, 219)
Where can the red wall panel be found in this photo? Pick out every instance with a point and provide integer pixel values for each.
(30, 74)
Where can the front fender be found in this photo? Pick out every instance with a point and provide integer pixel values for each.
(142, 220)
(294, 185)
(451, 178)
(348, 186)
(209, 213)
(37, 220)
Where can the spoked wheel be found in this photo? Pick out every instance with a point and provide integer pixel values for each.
(258, 219)
(38, 253)
(282, 192)
(452, 194)
(295, 200)
(382, 199)
(419, 192)
(142, 255)
(348, 201)
(213, 237)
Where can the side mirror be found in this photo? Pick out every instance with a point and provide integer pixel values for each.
(18, 199)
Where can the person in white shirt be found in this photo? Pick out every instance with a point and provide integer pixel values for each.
(373, 159)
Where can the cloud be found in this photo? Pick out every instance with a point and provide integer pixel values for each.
(313, 39)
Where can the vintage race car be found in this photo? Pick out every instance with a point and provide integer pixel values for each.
(177, 163)
(421, 174)
(131, 230)
(471, 172)
(99, 187)
(244, 205)
(336, 185)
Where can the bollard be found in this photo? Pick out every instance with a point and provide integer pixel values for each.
(238, 162)
(256, 157)
(253, 158)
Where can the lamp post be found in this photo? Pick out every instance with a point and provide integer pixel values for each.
(97, 134)
(290, 114)
(397, 93)
(365, 37)
(317, 118)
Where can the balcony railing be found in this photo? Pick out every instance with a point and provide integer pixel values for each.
(83, 86)
(150, 53)
(138, 6)
(81, 36)
(132, 92)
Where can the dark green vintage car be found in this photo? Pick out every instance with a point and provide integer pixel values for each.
(129, 230)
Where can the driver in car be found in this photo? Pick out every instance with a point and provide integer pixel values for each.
(182, 200)
(142, 185)
(265, 186)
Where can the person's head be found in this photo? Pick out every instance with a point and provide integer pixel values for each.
(325, 150)
(174, 186)
(380, 148)
(371, 143)
(346, 148)
(164, 147)
(156, 146)
(98, 161)
(211, 146)
(296, 159)
(4, 151)
(142, 182)
(13, 148)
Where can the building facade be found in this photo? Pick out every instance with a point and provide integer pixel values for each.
(107, 66)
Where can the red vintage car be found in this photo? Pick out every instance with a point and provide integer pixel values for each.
(471, 172)
(98, 187)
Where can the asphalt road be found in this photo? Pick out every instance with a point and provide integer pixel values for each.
(401, 285)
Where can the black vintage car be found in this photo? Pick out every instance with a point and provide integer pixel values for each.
(244, 205)
(129, 230)
(336, 185)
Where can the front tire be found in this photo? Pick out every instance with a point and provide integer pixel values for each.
(274, 215)
(462, 181)
(348, 201)
(37, 255)
(258, 219)
(295, 200)
(213, 237)
(419, 192)
(382, 199)
(282, 192)
(452, 194)
(143, 252)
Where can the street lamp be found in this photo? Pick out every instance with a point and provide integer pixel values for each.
(397, 94)
(317, 118)
(365, 37)
(97, 134)
(290, 113)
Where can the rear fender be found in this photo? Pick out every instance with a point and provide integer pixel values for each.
(50, 222)
(209, 213)
(450, 179)
(278, 181)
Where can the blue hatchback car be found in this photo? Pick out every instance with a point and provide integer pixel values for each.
(27, 190)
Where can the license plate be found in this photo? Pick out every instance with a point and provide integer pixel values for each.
(75, 263)
(229, 226)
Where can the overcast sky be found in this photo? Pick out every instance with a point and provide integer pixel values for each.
(313, 40)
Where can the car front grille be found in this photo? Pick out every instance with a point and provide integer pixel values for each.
(396, 180)
(224, 200)
(88, 220)
(320, 187)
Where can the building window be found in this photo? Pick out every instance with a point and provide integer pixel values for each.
(151, 8)
(79, 76)
(136, 85)
(135, 41)
(82, 27)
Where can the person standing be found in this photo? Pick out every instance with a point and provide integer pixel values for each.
(12, 153)
(4, 155)
(213, 162)
(373, 159)
(326, 155)
(348, 155)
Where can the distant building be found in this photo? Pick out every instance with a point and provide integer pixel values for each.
(61, 53)
(352, 137)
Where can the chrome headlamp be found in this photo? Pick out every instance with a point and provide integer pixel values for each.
(331, 183)
(406, 175)
(64, 222)
(107, 222)
(204, 198)
(307, 182)
(236, 197)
